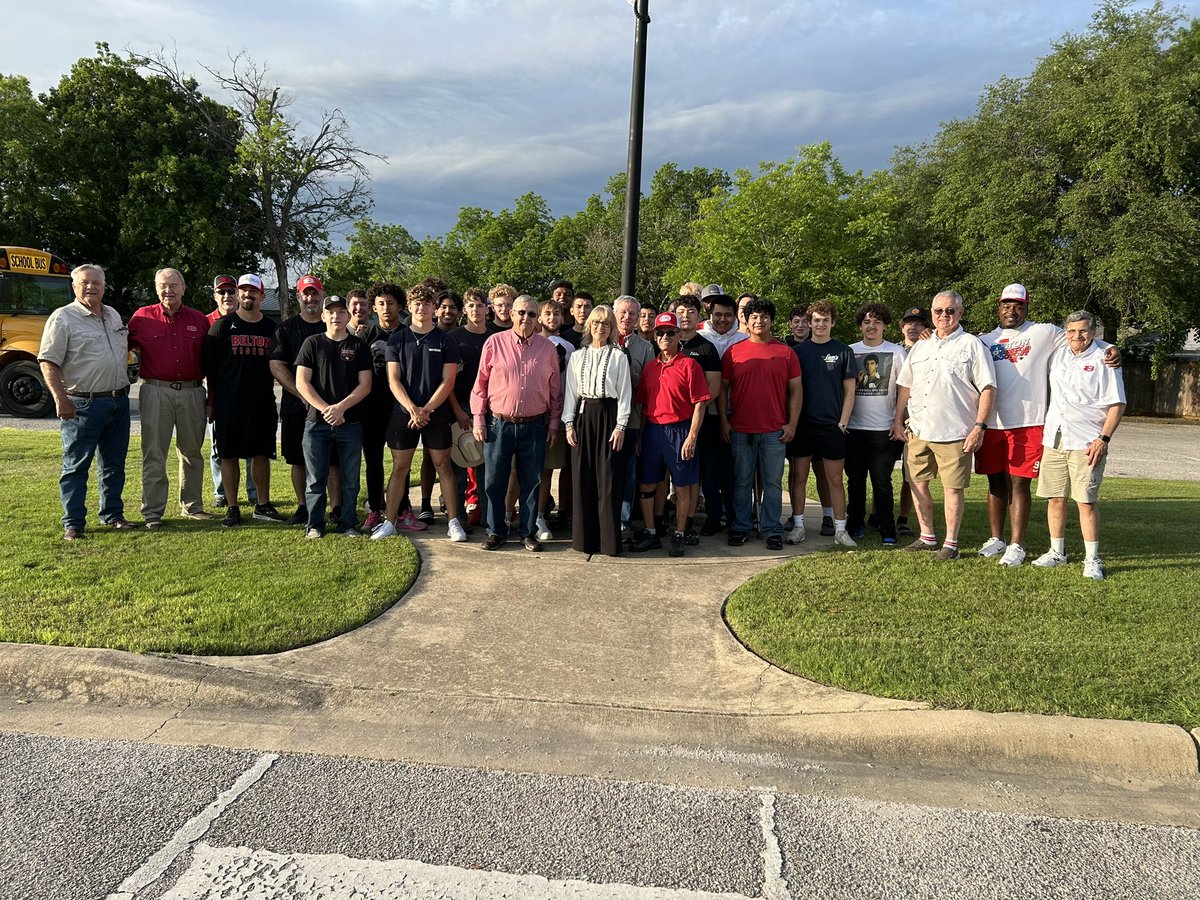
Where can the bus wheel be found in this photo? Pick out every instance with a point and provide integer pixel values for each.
(22, 391)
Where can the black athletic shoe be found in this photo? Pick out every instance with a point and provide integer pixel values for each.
(425, 515)
(676, 547)
(233, 517)
(299, 517)
(775, 542)
(827, 526)
(712, 525)
(738, 538)
(691, 538)
(266, 512)
(646, 541)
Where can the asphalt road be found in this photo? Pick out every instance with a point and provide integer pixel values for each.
(107, 819)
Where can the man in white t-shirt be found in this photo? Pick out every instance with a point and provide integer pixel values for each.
(1087, 400)
(1012, 445)
(947, 387)
(870, 448)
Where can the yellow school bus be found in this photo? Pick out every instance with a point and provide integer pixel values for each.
(33, 284)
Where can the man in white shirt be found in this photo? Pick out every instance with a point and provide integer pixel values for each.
(947, 386)
(1087, 400)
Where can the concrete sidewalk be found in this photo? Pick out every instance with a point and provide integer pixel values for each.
(559, 663)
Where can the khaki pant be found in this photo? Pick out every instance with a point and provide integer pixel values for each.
(165, 411)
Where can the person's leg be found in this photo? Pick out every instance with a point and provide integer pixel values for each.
(260, 470)
(837, 494)
(428, 477)
(111, 451)
(1020, 502)
(530, 456)
(771, 455)
(440, 460)
(397, 486)
(497, 462)
(80, 436)
(711, 476)
(880, 465)
(628, 476)
(317, 444)
(299, 483)
(374, 431)
(685, 504)
(999, 497)
(189, 444)
(1089, 522)
(349, 468)
(953, 505)
(231, 473)
(923, 498)
(744, 466)
(158, 423)
(798, 484)
(858, 452)
(1056, 518)
(214, 464)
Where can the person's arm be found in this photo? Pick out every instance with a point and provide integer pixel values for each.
(723, 411)
(619, 374)
(714, 387)
(64, 406)
(795, 402)
(306, 392)
(987, 397)
(556, 404)
(444, 390)
(1098, 448)
(693, 436)
(848, 396)
(479, 392)
(899, 433)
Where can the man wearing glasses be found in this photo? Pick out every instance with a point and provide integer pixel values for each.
(947, 386)
(225, 301)
(516, 403)
(673, 394)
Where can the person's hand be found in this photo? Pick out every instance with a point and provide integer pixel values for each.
(974, 440)
(464, 422)
(1112, 358)
(899, 432)
(617, 439)
(571, 439)
(726, 431)
(1096, 451)
(480, 433)
(552, 439)
(64, 407)
(688, 450)
(789, 432)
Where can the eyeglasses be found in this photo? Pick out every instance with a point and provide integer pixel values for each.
(671, 333)
(603, 325)
(525, 313)
(949, 311)
(227, 291)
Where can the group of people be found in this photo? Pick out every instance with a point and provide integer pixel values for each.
(637, 407)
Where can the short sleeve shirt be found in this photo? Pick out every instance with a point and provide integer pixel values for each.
(92, 350)
(875, 385)
(288, 337)
(824, 367)
(335, 368)
(670, 391)
(421, 358)
(1021, 358)
(1082, 388)
(758, 376)
(945, 377)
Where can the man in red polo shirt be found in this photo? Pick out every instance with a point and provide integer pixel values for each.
(673, 393)
(170, 337)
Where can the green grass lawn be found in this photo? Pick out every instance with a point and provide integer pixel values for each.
(969, 634)
(193, 587)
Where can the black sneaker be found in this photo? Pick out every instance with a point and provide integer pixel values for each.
(646, 541)
(425, 515)
(220, 502)
(676, 548)
(827, 526)
(299, 517)
(775, 542)
(531, 543)
(691, 538)
(711, 526)
(233, 517)
(266, 512)
(738, 538)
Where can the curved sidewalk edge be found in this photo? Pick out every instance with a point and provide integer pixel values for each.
(278, 712)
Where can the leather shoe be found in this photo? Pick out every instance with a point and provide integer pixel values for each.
(199, 515)
(532, 544)
(120, 525)
(493, 542)
(73, 534)
(154, 524)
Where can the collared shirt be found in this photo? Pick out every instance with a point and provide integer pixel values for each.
(92, 350)
(639, 352)
(595, 373)
(517, 378)
(1082, 388)
(172, 346)
(724, 341)
(670, 390)
(945, 377)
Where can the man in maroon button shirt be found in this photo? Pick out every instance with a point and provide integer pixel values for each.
(170, 337)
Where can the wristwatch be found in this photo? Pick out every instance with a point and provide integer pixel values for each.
(982, 426)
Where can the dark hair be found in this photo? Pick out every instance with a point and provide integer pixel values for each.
(746, 294)
(759, 305)
(386, 287)
(356, 293)
(450, 295)
(801, 311)
(435, 284)
(648, 304)
(721, 300)
(479, 295)
(690, 300)
(562, 283)
(878, 310)
(871, 357)
(584, 295)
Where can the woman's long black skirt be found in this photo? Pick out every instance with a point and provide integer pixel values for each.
(596, 524)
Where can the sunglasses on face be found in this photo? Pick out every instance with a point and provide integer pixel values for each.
(667, 334)
(524, 313)
(945, 312)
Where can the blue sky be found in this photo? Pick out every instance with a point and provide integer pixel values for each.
(474, 102)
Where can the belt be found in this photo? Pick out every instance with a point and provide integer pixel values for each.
(173, 385)
(519, 420)
(92, 395)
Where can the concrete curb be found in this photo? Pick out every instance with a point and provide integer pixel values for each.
(185, 691)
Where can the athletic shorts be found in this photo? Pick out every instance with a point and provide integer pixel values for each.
(945, 459)
(817, 441)
(1016, 451)
(244, 431)
(291, 437)
(662, 449)
(434, 436)
(1066, 473)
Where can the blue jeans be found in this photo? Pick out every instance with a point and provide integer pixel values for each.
(100, 428)
(214, 465)
(320, 441)
(527, 442)
(764, 453)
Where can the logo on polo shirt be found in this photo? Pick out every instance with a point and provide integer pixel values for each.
(1089, 368)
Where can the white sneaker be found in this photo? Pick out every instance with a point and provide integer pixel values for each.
(842, 539)
(1050, 559)
(994, 547)
(1013, 556)
(314, 534)
(543, 530)
(385, 530)
(796, 535)
(1093, 569)
(456, 532)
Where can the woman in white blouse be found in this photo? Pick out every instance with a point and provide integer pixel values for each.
(597, 398)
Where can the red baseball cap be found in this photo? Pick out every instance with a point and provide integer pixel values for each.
(310, 281)
(224, 281)
(666, 320)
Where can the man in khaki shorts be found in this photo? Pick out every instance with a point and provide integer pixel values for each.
(946, 388)
(1087, 400)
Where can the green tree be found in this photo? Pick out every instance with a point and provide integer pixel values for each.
(374, 252)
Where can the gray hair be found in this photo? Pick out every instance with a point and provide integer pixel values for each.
(627, 298)
(1081, 315)
(521, 297)
(171, 271)
(955, 297)
(78, 271)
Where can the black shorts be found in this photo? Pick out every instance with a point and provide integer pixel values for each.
(291, 437)
(243, 431)
(818, 441)
(434, 436)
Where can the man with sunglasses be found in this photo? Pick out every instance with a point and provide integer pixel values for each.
(947, 387)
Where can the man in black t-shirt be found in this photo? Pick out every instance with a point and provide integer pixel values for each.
(333, 376)
(470, 339)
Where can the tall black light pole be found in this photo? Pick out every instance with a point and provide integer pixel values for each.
(633, 188)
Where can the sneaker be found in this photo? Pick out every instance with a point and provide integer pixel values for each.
(797, 535)
(374, 520)
(314, 534)
(1093, 569)
(1013, 556)
(711, 526)
(646, 541)
(737, 539)
(349, 532)
(691, 538)
(827, 526)
(856, 533)
(543, 530)
(154, 524)
(408, 522)
(775, 542)
(889, 541)
(903, 530)
(676, 546)
(299, 517)
(233, 517)
(199, 515)
(456, 532)
(919, 546)
(1051, 559)
(266, 512)
(532, 544)
(994, 547)
(426, 514)
(946, 554)
(842, 539)
(121, 524)
(220, 502)
(385, 530)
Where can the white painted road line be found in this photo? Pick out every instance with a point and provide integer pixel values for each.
(191, 832)
(774, 884)
(238, 873)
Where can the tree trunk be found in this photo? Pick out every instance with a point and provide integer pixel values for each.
(284, 290)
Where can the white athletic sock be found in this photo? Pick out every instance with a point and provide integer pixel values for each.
(798, 520)
(839, 524)
(1059, 545)
(1091, 549)
(827, 511)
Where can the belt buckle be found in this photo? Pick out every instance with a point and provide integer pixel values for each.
(176, 385)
